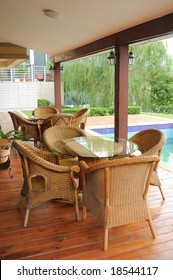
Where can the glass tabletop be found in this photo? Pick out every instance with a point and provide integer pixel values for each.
(33, 118)
(94, 147)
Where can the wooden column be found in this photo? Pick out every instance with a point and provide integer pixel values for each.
(121, 92)
(57, 82)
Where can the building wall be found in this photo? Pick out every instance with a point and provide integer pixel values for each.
(24, 95)
(45, 90)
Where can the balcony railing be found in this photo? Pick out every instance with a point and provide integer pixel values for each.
(27, 73)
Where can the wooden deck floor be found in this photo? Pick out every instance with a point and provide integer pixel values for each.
(53, 233)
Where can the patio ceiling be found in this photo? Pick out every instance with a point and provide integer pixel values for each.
(78, 22)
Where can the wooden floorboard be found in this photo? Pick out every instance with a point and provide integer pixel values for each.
(53, 233)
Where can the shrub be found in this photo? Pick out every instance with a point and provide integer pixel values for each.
(132, 110)
(44, 102)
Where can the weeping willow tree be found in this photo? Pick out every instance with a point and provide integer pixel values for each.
(152, 69)
(91, 80)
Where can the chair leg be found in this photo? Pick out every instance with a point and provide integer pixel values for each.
(26, 218)
(83, 212)
(163, 197)
(76, 206)
(152, 228)
(9, 173)
(105, 239)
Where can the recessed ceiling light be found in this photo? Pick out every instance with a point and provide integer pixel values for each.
(51, 14)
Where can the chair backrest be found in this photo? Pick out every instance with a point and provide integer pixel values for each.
(45, 111)
(27, 127)
(80, 118)
(117, 186)
(58, 119)
(60, 132)
(150, 142)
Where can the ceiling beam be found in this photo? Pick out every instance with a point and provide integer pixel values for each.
(152, 29)
(12, 55)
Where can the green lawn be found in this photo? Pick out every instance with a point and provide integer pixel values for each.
(28, 113)
(166, 116)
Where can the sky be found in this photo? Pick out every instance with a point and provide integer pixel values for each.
(169, 43)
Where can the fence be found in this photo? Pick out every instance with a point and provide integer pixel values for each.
(26, 73)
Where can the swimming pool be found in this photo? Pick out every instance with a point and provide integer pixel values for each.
(167, 128)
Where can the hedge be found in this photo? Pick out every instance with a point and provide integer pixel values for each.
(101, 111)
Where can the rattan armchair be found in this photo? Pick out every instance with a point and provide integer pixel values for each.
(29, 128)
(44, 111)
(45, 179)
(115, 191)
(151, 142)
(80, 118)
(60, 132)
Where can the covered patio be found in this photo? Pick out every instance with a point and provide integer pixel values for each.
(83, 29)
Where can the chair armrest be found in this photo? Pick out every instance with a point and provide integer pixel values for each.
(83, 165)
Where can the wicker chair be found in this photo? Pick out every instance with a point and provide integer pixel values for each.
(44, 111)
(45, 179)
(29, 129)
(151, 142)
(80, 118)
(60, 132)
(115, 191)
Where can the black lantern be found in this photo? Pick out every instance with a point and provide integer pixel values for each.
(112, 58)
(52, 66)
(131, 58)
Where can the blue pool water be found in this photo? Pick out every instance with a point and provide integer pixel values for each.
(167, 128)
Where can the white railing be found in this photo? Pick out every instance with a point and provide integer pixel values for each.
(26, 73)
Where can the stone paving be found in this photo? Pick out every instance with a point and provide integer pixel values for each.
(132, 119)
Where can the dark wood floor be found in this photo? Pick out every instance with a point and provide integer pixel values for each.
(53, 233)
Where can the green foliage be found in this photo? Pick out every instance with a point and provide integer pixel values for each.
(150, 82)
(22, 69)
(49, 65)
(101, 111)
(12, 134)
(91, 80)
(162, 92)
(132, 110)
(72, 110)
(44, 102)
(27, 112)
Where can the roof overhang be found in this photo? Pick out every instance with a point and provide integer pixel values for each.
(11, 55)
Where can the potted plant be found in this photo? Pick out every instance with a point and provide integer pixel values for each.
(49, 68)
(5, 143)
(22, 70)
(12, 135)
